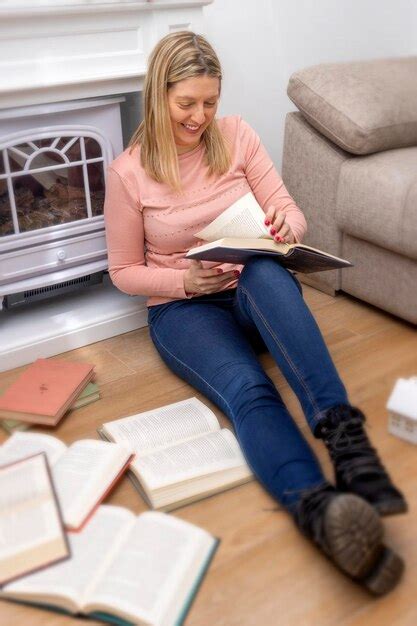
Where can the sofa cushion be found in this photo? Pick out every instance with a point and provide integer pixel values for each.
(363, 107)
(377, 200)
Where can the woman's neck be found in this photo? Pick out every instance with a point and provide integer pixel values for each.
(184, 149)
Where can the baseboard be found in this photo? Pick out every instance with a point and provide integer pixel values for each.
(50, 327)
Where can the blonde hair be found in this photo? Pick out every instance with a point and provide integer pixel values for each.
(177, 56)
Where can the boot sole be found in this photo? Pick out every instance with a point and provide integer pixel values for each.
(354, 534)
(390, 507)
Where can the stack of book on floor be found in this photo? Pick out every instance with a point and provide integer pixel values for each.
(45, 391)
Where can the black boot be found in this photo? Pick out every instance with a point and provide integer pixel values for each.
(358, 468)
(349, 531)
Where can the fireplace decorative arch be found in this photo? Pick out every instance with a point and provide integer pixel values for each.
(51, 177)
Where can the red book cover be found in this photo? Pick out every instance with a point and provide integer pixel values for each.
(45, 389)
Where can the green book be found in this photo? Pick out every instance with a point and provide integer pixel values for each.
(89, 394)
(125, 569)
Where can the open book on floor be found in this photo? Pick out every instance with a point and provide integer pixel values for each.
(181, 453)
(83, 473)
(240, 233)
(124, 569)
(31, 528)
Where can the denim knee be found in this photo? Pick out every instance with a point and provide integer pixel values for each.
(265, 271)
(249, 393)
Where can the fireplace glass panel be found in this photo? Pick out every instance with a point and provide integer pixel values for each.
(6, 222)
(18, 156)
(50, 198)
(92, 148)
(71, 147)
(96, 180)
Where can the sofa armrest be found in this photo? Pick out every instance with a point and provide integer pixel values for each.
(311, 170)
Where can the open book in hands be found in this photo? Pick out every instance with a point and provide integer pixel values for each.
(240, 233)
(181, 453)
(83, 473)
(124, 569)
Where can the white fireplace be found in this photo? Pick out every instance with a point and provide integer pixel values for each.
(53, 160)
(67, 67)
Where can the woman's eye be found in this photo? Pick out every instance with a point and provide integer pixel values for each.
(207, 104)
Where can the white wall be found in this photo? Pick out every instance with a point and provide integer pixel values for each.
(261, 42)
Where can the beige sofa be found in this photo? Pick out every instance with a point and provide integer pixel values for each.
(350, 162)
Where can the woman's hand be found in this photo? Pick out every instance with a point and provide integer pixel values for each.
(279, 228)
(198, 281)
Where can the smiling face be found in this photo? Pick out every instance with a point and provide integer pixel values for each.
(192, 105)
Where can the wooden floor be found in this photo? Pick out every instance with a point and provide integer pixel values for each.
(265, 573)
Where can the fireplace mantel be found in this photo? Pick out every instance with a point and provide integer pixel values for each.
(56, 50)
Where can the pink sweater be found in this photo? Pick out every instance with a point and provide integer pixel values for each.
(150, 228)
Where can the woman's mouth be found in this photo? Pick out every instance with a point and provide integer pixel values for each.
(191, 129)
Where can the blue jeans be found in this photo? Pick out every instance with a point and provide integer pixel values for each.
(212, 341)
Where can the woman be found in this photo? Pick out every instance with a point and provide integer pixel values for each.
(207, 320)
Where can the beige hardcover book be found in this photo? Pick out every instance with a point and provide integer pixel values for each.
(124, 569)
(240, 233)
(181, 453)
(83, 473)
(31, 529)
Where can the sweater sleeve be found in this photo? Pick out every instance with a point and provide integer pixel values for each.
(265, 182)
(126, 246)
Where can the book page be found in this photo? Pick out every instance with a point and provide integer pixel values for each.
(24, 444)
(244, 218)
(83, 474)
(155, 565)
(162, 427)
(211, 453)
(89, 549)
(31, 531)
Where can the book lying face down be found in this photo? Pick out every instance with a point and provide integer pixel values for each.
(240, 233)
(45, 390)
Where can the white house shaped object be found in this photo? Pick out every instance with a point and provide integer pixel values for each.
(402, 409)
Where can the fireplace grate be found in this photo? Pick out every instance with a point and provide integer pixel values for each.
(32, 295)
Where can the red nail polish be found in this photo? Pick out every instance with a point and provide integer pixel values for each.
(236, 273)
(273, 231)
(219, 271)
(277, 238)
(267, 222)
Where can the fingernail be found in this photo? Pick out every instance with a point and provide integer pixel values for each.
(277, 238)
(273, 231)
(267, 222)
(219, 271)
(236, 273)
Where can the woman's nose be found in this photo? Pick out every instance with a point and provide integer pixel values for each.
(198, 116)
